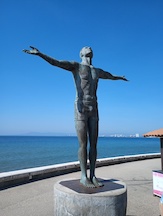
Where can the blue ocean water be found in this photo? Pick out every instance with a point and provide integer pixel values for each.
(20, 152)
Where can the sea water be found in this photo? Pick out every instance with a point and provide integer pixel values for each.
(20, 152)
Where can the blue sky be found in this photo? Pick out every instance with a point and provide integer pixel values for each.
(127, 39)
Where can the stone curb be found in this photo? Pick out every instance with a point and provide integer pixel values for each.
(14, 178)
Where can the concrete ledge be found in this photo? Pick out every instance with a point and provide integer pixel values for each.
(125, 159)
(14, 178)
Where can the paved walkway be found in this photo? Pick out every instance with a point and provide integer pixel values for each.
(36, 198)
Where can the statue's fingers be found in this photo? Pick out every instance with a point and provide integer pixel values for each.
(32, 47)
(27, 51)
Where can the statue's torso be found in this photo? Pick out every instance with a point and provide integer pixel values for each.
(86, 80)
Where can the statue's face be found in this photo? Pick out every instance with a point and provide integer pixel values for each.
(86, 51)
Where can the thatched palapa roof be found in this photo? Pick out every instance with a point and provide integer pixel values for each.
(155, 133)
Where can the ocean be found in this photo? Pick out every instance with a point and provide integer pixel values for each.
(20, 152)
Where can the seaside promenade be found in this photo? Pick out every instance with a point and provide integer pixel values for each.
(36, 198)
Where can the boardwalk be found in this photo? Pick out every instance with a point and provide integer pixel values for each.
(36, 198)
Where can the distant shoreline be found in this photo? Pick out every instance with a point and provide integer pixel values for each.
(100, 136)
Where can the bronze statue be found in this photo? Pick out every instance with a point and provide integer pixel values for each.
(86, 108)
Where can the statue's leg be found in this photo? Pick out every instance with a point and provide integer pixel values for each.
(93, 136)
(81, 128)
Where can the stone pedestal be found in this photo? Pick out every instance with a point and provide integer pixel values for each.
(73, 199)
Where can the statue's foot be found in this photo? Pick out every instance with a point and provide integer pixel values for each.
(86, 182)
(96, 182)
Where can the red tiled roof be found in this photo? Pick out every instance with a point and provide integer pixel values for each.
(156, 133)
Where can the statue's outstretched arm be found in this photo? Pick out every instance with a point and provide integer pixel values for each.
(107, 75)
(62, 64)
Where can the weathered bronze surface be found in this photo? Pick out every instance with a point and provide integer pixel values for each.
(86, 78)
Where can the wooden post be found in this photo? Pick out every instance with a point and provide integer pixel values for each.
(161, 145)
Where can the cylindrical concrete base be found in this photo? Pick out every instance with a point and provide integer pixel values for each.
(72, 199)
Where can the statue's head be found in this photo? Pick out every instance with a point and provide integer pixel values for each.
(86, 52)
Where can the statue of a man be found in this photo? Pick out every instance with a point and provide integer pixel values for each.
(86, 78)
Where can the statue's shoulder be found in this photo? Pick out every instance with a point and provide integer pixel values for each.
(76, 65)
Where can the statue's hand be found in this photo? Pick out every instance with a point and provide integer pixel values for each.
(123, 78)
(33, 51)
